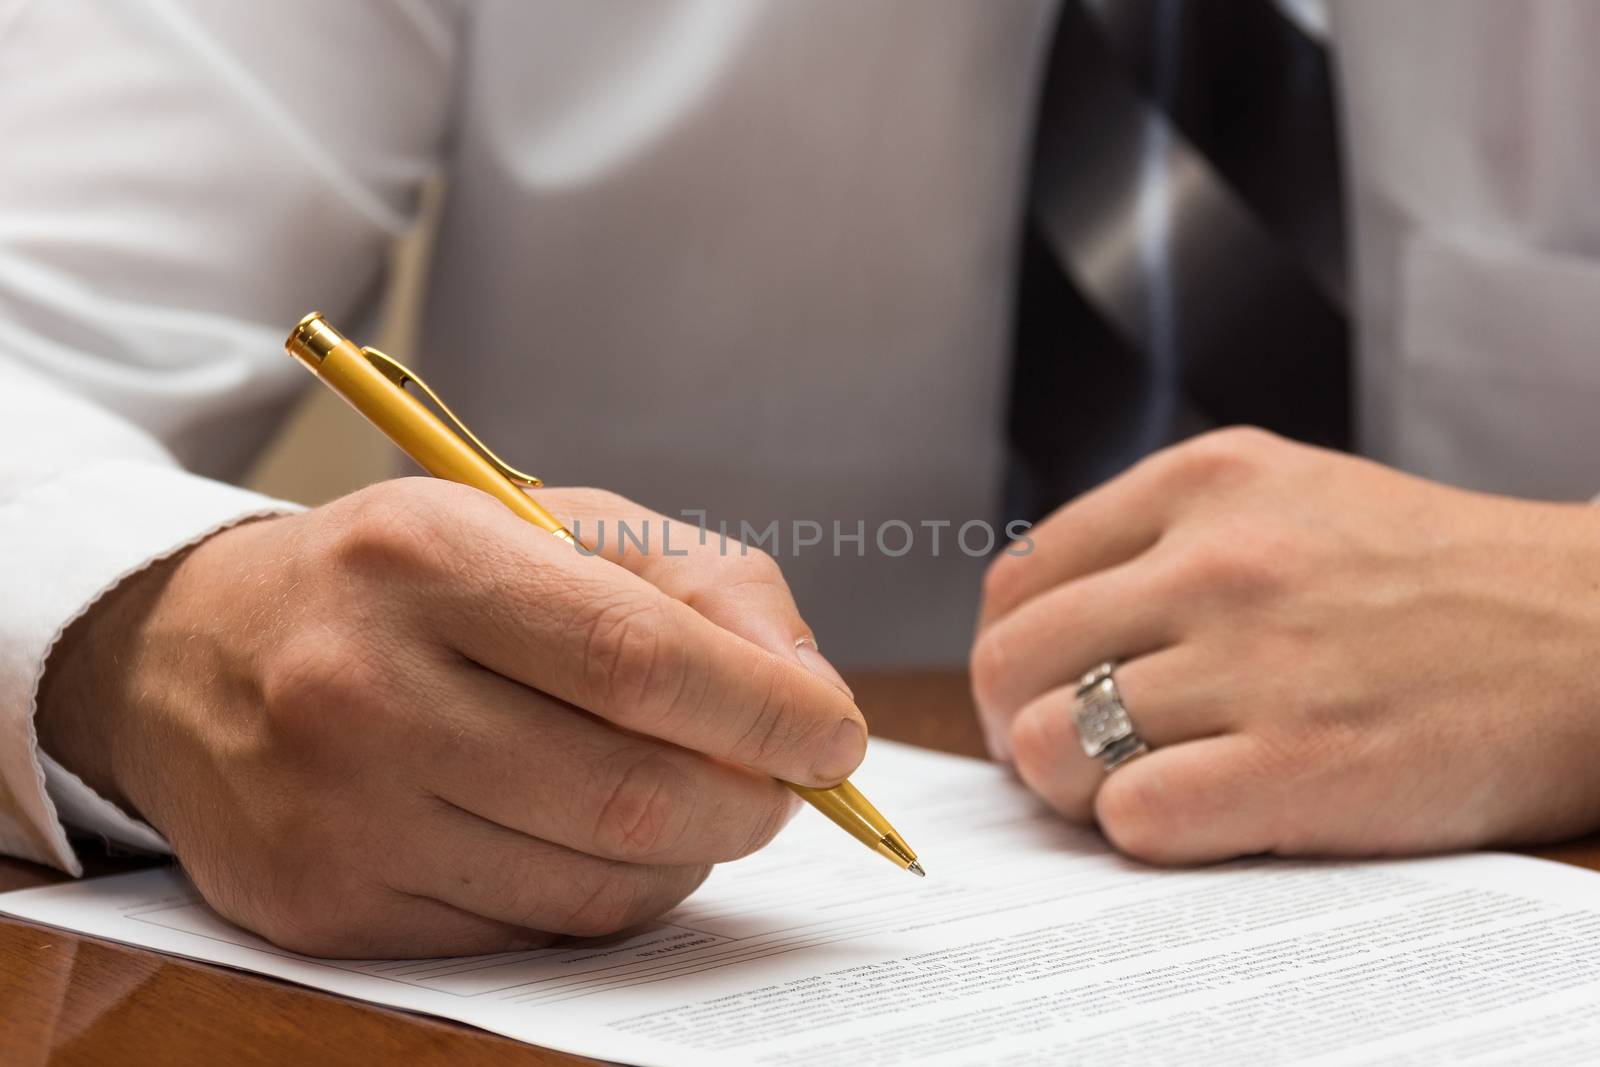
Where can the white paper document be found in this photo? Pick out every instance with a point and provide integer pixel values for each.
(1028, 944)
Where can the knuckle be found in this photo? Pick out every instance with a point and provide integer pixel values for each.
(1136, 812)
(766, 820)
(1031, 745)
(1249, 440)
(773, 726)
(1003, 583)
(408, 524)
(316, 911)
(311, 688)
(722, 573)
(588, 510)
(648, 809)
(989, 669)
(735, 581)
(1225, 455)
(1043, 762)
(616, 901)
(1243, 567)
(753, 566)
(602, 501)
(626, 657)
(383, 527)
(307, 935)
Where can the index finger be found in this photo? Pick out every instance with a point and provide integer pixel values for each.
(1107, 526)
(738, 587)
(594, 635)
(1125, 517)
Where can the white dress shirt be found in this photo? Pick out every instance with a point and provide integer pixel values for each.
(750, 257)
(746, 257)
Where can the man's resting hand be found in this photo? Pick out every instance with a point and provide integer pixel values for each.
(1326, 657)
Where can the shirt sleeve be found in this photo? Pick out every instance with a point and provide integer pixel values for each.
(80, 807)
(178, 187)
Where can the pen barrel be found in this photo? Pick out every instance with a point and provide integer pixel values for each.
(383, 401)
(409, 423)
(853, 813)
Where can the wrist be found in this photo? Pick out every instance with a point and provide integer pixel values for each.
(84, 694)
(141, 662)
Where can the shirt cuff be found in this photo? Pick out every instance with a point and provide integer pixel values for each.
(81, 808)
(75, 538)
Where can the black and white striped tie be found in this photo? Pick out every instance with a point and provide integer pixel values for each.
(1183, 264)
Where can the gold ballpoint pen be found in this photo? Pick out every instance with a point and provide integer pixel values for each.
(375, 385)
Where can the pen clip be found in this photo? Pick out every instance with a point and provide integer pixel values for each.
(397, 373)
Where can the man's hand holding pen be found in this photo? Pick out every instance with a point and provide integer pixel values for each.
(408, 722)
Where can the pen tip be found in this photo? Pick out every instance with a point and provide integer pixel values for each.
(916, 869)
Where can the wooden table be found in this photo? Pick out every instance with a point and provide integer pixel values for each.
(66, 999)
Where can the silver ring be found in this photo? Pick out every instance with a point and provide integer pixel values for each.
(1104, 728)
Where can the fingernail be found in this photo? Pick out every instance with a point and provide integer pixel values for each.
(806, 652)
(847, 745)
